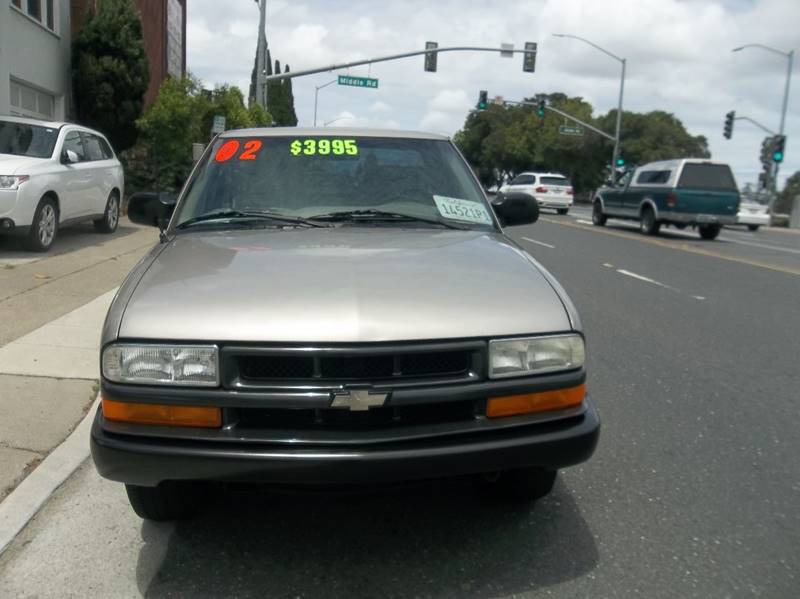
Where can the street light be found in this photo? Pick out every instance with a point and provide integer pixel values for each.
(316, 93)
(621, 89)
(789, 56)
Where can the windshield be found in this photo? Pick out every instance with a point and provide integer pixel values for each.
(22, 139)
(307, 176)
(707, 176)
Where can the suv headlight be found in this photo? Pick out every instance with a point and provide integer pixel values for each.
(12, 182)
(535, 355)
(187, 365)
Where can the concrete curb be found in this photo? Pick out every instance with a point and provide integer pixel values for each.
(24, 502)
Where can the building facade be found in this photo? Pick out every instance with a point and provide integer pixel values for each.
(164, 33)
(35, 37)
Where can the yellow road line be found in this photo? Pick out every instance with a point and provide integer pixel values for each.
(682, 247)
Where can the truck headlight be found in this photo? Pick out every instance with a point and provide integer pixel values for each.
(186, 365)
(12, 182)
(535, 355)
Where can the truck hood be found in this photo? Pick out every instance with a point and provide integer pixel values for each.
(341, 285)
(11, 164)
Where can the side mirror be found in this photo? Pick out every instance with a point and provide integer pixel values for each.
(69, 157)
(151, 209)
(516, 209)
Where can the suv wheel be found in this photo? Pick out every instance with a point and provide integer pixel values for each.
(598, 218)
(648, 223)
(170, 500)
(522, 484)
(562, 210)
(753, 227)
(110, 220)
(44, 227)
(709, 232)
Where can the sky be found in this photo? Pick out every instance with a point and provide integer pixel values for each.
(679, 59)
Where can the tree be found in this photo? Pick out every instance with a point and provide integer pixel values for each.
(785, 200)
(110, 72)
(503, 140)
(181, 115)
(280, 99)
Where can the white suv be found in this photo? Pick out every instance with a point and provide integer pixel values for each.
(52, 174)
(551, 190)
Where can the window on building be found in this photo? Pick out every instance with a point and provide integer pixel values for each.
(35, 9)
(27, 101)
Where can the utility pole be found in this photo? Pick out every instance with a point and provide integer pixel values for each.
(261, 56)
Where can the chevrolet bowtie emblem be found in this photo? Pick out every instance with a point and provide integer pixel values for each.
(358, 399)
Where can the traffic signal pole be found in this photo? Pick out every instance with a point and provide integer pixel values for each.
(566, 116)
(356, 63)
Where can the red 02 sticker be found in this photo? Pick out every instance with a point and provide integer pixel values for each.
(227, 150)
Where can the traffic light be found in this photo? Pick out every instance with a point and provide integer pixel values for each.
(483, 99)
(540, 109)
(766, 152)
(728, 130)
(620, 161)
(779, 144)
(529, 58)
(430, 57)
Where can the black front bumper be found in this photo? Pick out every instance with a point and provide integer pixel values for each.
(146, 461)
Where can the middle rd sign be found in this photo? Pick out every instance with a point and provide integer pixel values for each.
(358, 81)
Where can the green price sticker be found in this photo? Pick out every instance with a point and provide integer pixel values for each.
(323, 147)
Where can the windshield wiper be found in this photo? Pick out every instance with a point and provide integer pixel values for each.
(258, 215)
(383, 216)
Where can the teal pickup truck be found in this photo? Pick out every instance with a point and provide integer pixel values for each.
(680, 193)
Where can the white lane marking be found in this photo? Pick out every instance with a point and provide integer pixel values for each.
(760, 245)
(607, 265)
(547, 245)
(698, 297)
(628, 273)
(584, 222)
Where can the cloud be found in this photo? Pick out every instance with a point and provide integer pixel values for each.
(678, 59)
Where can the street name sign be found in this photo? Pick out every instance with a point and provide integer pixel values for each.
(358, 81)
(570, 130)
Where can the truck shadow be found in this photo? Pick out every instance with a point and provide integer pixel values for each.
(438, 539)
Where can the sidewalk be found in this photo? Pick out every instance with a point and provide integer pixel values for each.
(48, 380)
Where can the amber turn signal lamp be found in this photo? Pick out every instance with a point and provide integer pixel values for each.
(528, 403)
(144, 413)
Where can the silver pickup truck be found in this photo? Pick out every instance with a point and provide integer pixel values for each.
(331, 307)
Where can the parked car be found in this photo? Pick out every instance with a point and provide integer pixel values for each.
(686, 192)
(753, 215)
(53, 174)
(336, 306)
(551, 190)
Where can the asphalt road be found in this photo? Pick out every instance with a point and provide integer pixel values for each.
(694, 490)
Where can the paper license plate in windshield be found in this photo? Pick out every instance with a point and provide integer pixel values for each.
(464, 210)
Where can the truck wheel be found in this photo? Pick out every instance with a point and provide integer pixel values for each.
(170, 500)
(709, 232)
(648, 223)
(598, 218)
(521, 485)
(44, 227)
(108, 223)
(753, 228)
(562, 210)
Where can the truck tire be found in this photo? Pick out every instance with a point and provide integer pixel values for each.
(520, 485)
(170, 500)
(44, 228)
(753, 228)
(648, 223)
(709, 232)
(598, 218)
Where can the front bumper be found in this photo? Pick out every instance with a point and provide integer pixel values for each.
(146, 461)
